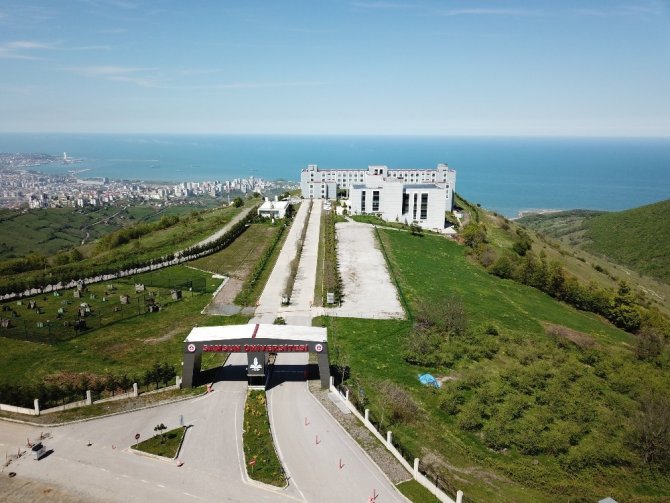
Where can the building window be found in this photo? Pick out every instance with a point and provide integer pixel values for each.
(424, 206)
(375, 200)
(405, 203)
(415, 207)
(362, 201)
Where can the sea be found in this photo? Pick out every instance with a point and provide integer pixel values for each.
(504, 174)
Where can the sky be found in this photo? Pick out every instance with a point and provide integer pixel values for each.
(406, 67)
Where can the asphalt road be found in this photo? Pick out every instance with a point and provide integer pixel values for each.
(323, 461)
(107, 470)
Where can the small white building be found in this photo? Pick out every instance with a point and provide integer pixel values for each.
(274, 209)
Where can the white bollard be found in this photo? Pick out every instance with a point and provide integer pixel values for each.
(389, 435)
(36, 404)
(367, 415)
(89, 398)
(459, 496)
(135, 390)
(416, 468)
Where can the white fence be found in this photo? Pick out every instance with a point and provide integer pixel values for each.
(387, 442)
(81, 403)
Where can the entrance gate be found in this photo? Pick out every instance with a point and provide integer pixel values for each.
(258, 342)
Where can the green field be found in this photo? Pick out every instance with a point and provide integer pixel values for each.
(119, 248)
(241, 255)
(49, 231)
(527, 412)
(127, 346)
(638, 238)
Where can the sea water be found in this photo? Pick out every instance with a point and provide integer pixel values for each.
(507, 175)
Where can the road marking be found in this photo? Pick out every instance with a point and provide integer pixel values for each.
(145, 481)
(161, 485)
(103, 469)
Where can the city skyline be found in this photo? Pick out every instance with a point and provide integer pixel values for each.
(483, 68)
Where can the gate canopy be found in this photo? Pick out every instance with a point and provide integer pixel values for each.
(257, 341)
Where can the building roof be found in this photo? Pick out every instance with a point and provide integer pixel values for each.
(263, 332)
(273, 205)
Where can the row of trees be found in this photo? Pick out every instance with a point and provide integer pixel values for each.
(245, 296)
(67, 387)
(127, 234)
(521, 265)
(90, 269)
(332, 282)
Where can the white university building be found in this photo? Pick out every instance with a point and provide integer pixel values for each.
(396, 195)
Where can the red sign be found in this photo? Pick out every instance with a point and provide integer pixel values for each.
(256, 348)
(252, 462)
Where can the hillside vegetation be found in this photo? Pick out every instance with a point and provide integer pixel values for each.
(129, 246)
(540, 401)
(638, 238)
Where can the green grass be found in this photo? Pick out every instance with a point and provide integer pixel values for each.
(49, 231)
(128, 346)
(187, 232)
(559, 387)
(374, 220)
(636, 238)
(258, 444)
(166, 445)
(239, 257)
(416, 493)
(253, 286)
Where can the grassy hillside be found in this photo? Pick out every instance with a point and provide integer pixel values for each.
(49, 231)
(638, 238)
(540, 401)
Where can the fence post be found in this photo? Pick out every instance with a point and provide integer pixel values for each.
(36, 404)
(459, 496)
(416, 468)
(389, 436)
(135, 389)
(89, 399)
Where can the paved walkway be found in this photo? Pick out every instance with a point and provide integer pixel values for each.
(299, 311)
(269, 303)
(226, 227)
(369, 291)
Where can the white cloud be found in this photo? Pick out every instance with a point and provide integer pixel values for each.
(382, 5)
(489, 12)
(21, 49)
(130, 74)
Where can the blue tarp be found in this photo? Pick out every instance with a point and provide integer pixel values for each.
(429, 380)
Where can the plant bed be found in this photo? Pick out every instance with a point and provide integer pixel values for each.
(261, 458)
(166, 445)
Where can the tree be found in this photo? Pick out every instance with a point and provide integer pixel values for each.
(238, 202)
(651, 429)
(160, 428)
(473, 234)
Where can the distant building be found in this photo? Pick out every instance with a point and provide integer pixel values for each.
(402, 195)
(274, 209)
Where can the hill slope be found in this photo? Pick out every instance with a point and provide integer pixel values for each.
(638, 238)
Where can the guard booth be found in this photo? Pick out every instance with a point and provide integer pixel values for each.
(258, 342)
